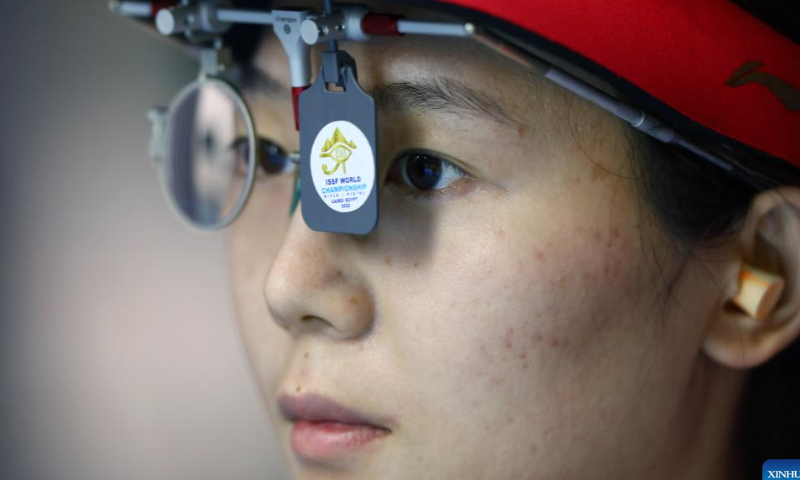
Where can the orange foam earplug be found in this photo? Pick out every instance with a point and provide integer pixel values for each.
(759, 291)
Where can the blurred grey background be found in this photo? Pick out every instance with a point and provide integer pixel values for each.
(119, 355)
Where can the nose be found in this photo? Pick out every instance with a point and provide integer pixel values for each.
(315, 285)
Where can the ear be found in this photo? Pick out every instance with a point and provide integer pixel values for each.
(769, 240)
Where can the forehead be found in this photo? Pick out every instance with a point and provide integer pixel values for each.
(415, 59)
(546, 112)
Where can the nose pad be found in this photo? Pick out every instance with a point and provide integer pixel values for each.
(313, 287)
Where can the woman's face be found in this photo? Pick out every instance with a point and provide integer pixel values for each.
(509, 322)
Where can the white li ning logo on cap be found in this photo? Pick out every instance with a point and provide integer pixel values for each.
(342, 166)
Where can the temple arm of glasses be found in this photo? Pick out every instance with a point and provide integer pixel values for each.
(635, 117)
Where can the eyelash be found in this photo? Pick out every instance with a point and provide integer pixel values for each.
(426, 163)
(398, 172)
(272, 161)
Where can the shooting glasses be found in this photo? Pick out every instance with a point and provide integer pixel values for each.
(208, 145)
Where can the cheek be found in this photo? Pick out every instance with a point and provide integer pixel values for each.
(502, 315)
(252, 245)
(538, 303)
(521, 289)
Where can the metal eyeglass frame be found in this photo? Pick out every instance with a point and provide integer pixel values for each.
(161, 145)
(349, 23)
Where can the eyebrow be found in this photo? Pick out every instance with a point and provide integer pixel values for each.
(443, 94)
(437, 94)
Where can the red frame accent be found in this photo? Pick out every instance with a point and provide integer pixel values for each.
(380, 24)
(296, 91)
(155, 7)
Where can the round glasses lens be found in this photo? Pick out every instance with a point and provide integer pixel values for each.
(209, 168)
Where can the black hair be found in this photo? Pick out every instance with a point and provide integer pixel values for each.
(243, 39)
(700, 205)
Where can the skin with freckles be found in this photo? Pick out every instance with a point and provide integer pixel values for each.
(514, 325)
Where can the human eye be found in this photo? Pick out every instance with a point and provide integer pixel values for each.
(425, 174)
(272, 159)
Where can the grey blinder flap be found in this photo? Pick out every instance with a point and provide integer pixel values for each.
(338, 151)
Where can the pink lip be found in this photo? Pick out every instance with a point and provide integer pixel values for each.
(324, 429)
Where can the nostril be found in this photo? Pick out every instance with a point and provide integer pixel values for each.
(313, 322)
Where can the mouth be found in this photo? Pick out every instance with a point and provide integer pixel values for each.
(323, 429)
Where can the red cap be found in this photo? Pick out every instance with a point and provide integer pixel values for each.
(709, 60)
